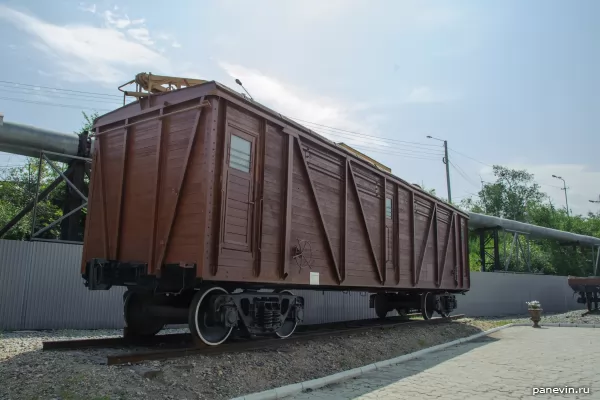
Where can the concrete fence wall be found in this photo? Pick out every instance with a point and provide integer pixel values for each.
(41, 288)
(498, 294)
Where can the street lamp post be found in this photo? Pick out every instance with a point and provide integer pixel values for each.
(565, 189)
(447, 162)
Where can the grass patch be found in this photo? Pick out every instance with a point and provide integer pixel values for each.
(499, 323)
(485, 324)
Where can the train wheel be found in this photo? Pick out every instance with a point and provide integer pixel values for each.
(137, 321)
(381, 305)
(427, 305)
(290, 324)
(201, 322)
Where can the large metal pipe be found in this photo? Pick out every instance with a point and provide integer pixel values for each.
(27, 152)
(24, 139)
(534, 231)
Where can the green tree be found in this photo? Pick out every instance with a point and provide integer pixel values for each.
(17, 190)
(431, 192)
(88, 124)
(510, 196)
(515, 195)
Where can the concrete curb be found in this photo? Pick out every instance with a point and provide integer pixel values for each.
(560, 325)
(290, 390)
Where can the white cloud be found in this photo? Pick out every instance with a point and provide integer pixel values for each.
(293, 102)
(168, 38)
(136, 29)
(44, 73)
(86, 8)
(425, 94)
(142, 35)
(577, 176)
(115, 21)
(83, 52)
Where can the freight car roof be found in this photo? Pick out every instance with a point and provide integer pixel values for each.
(214, 88)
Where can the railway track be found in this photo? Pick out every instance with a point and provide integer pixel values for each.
(181, 345)
(79, 344)
(180, 338)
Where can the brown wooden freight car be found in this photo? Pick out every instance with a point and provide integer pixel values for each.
(200, 197)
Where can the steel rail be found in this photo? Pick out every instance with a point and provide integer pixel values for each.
(246, 345)
(121, 341)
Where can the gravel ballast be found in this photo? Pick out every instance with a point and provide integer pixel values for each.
(28, 373)
(572, 317)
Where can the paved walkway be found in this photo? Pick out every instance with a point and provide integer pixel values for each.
(507, 364)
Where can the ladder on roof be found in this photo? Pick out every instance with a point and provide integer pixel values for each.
(147, 84)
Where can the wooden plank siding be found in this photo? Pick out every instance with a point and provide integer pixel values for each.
(164, 191)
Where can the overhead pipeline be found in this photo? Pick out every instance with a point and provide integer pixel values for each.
(534, 231)
(29, 141)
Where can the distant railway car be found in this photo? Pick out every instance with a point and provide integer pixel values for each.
(200, 197)
(588, 289)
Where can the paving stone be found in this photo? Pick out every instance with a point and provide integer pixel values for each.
(506, 365)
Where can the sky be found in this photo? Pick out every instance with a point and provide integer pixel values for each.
(507, 83)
